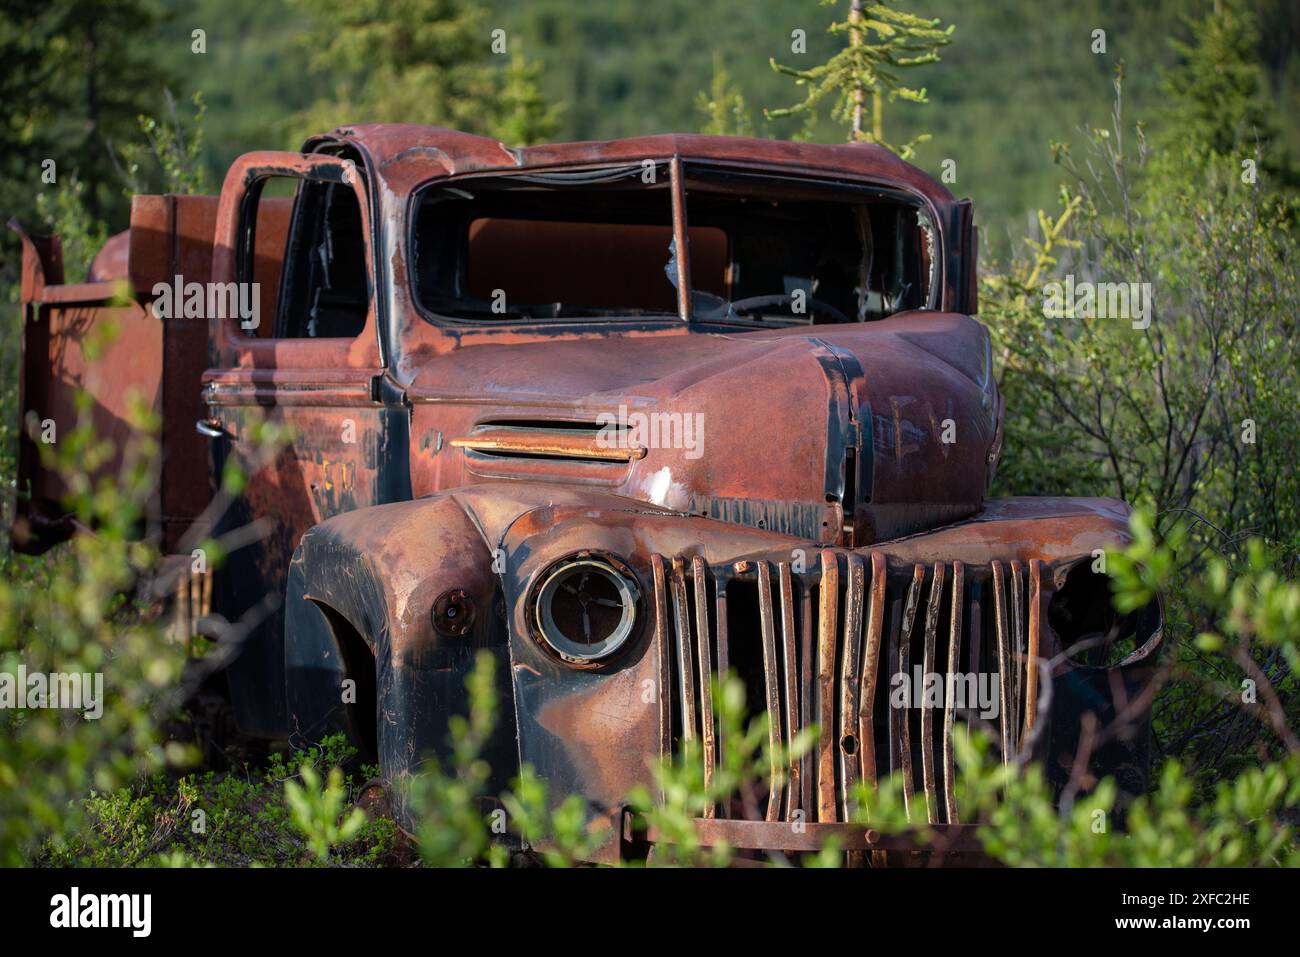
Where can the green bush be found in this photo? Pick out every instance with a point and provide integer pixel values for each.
(74, 613)
(1191, 418)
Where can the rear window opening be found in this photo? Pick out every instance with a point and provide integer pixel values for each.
(763, 250)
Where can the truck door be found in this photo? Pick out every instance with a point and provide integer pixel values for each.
(299, 351)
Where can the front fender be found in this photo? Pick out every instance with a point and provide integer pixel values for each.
(362, 592)
(363, 655)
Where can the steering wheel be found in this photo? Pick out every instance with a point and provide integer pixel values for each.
(815, 306)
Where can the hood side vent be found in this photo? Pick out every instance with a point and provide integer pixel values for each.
(490, 445)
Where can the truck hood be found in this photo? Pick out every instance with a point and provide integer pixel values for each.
(888, 425)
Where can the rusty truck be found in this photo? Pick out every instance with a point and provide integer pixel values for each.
(628, 416)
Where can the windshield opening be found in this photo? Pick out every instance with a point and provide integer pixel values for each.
(813, 252)
(763, 249)
(552, 246)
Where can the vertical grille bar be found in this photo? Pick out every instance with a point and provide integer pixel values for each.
(661, 643)
(892, 661)
(724, 657)
(910, 607)
(871, 668)
(927, 713)
(827, 625)
(954, 668)
(1016, 656)
(1000, 627)
(771, 685)
(850, 655)
(1031, 656)
(806, 665)
(790, 674)
(808, 676)
(699, 574)
(685, 655)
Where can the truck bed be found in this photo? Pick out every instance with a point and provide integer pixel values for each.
(159, 361)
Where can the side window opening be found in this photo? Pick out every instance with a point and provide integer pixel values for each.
(898, 274)
(310, 260)
(325, 292)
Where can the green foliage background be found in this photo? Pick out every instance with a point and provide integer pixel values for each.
(1077, 164)
(1018, 75)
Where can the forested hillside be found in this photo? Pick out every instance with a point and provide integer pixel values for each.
(1018, 75)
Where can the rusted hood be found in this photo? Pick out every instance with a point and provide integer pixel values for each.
(571, 370)
(890, 422)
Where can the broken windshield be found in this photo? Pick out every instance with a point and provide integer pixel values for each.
(600, 245)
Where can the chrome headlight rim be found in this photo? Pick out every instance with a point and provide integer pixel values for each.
(549, 634)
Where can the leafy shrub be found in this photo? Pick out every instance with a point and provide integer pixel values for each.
(1191, 418)
(73, 613)
(318, 811)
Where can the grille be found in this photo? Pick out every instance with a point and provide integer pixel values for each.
(823, 645)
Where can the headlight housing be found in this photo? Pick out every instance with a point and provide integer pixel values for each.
(1092, 633)
(585, 608)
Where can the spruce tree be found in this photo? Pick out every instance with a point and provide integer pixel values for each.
(421, 61)
(75, 76)
(521, 115)
(1217, 107)
(880, 43)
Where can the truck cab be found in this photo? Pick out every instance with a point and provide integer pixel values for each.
(627, 415)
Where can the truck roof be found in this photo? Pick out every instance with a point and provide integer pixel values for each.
(389, 144)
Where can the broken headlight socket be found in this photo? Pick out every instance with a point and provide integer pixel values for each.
(453, 613)
(1091, 632)
(585, 608)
